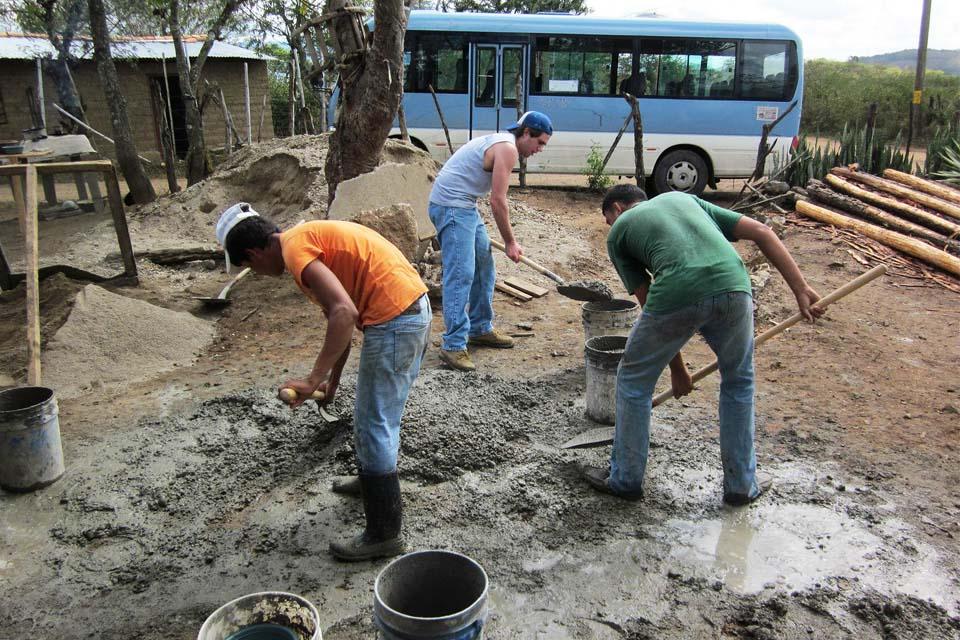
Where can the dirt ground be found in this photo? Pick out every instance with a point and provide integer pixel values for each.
(197, 486)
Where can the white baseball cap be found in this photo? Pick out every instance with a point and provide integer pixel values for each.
(228, 220)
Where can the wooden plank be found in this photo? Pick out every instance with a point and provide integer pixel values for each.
(526, 287)
(516, 293)
(45, 168)
(32, 259)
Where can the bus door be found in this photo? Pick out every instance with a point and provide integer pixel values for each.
(493, 87)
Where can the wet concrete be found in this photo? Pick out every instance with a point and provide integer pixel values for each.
(155, 527)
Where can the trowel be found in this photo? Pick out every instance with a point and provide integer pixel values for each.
(288, 395)
(584, 291)
(221, 300)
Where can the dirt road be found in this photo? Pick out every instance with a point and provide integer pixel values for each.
(197, 486)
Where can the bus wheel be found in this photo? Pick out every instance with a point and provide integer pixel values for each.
(681, 170)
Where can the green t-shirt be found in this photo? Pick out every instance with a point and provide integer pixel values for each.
(684, 242)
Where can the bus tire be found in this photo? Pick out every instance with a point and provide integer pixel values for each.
(681, 170)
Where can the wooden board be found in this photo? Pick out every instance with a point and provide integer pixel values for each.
(30, 222)
(526, 287)
(516, 293)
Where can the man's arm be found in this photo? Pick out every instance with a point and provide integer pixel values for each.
(342, 317)
(680, 378)
(505, 156)
(778, 255)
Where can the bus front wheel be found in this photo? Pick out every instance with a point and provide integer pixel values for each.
(681, 170)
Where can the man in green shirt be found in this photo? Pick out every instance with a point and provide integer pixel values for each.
(674, 254)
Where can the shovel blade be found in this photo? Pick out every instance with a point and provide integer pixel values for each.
(591, 438)
(586, 291)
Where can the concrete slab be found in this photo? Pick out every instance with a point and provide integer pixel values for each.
(387, 185)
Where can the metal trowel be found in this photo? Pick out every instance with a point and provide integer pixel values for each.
(221, 300)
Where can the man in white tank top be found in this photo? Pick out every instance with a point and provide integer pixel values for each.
(481, 166)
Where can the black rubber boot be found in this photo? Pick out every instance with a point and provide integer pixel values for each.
(348, 487)
(384, 514)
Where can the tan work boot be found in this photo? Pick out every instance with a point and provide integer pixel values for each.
(493, 339)
(459, 360)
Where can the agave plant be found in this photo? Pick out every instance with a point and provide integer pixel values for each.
(950, 163)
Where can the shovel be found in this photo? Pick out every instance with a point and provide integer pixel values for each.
(604, 435)
(584, 291)
(221, 300)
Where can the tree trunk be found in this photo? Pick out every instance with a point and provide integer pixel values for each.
(371, 90)
(820, 191)
(58, 69)
(916, 248)
(197, 161)
(889, 186)
(929, 186)
(925, 218)
(137, 181)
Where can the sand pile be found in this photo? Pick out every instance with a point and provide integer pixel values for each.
(110, 341)
(281, 178)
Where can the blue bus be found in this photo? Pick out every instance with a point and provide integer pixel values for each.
(704, 89)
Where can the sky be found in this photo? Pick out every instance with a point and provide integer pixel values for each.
(835, 29)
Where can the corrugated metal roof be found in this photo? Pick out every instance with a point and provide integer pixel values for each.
(27, 47)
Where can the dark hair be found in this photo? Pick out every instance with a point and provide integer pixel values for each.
(624, 194)
(534, 133)
(250, 233)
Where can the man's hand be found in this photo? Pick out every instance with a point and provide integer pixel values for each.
(513, 250)
(681, 380)
(806, 297)
(303, 388)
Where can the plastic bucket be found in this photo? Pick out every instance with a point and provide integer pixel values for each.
(602, 355)
(608, 317)
(31, 455)
(268, 615)
(435, 595)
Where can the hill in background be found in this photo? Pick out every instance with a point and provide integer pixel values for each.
(946, 60)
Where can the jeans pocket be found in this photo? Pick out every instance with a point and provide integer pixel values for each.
(407, 347)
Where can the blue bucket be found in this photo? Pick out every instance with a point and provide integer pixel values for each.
(31, 456)
(431, 595)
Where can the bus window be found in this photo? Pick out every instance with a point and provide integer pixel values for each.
(581, 65)
(435, 59)
(768, 70)
(697, 69)
(512, 63)
(486, 77)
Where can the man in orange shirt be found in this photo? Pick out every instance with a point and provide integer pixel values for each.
(360, 280)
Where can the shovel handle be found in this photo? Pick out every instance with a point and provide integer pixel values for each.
(288, 395)
(822, 303)
(530, 263)
(237, 278)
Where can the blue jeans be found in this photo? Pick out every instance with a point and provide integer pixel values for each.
(389, 363)
(726, 322)
(468, 274)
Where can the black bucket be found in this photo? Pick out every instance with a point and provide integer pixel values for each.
(431, 595)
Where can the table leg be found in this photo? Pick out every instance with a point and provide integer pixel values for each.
(49, 189)
(16, 185)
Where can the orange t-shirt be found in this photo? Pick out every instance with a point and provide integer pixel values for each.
(379, 279)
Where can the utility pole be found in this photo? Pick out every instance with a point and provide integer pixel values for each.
(917, 102)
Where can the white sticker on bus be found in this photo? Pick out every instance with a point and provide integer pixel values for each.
(767, 114)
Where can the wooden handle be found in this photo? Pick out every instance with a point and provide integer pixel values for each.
(237, 278)
(530, 263)
(822, 303)
(288, 395)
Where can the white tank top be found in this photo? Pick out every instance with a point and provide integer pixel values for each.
(462, 179)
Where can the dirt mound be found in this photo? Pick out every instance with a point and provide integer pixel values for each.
(111, 340)
(282, 178)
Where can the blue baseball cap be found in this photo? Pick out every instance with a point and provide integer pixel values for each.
(534, 120)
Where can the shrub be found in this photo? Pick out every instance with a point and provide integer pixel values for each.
(597, 180)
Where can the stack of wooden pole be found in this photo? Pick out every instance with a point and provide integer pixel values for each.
(918, 217)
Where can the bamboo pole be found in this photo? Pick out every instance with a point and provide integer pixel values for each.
(819, 191)
(924, 217)
(905, 244)
(932, 187)
(896, 189)
(91, 129)
(616, 141)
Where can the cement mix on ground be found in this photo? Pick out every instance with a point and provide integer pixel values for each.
(155, 527)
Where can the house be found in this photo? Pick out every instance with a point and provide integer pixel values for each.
(140, 63)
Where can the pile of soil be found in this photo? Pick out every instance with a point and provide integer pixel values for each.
(112, 340)
(283, 179)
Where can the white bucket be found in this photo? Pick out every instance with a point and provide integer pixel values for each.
(608, 317)
(602, 355)
(31, 455)
(268, 615)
